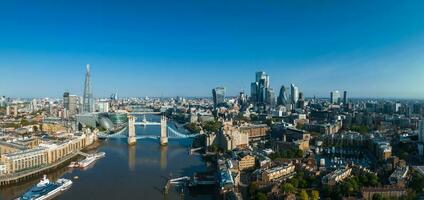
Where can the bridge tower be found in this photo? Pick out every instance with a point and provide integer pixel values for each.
(163, 131)
(131, 130)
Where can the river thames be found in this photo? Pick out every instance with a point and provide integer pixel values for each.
(129, 172)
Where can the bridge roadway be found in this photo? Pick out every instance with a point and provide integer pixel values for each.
(145, 113)
(172, 134)
(146, 123)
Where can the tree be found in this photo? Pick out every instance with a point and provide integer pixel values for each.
(417, 182)
(304, 195)
(288, 188)
(377, 197)
(315, 195)
(212, 126)
(193, 128)
(294, 182)
(213, 148)
(261, 196)
(373, 180)
(253, 188)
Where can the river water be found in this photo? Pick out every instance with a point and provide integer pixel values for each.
(129, 172)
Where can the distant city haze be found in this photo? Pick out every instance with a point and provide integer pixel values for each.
(187, 48)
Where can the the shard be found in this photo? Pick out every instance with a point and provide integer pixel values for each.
(88, 101)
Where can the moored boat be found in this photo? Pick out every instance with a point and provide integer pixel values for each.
(45, 189)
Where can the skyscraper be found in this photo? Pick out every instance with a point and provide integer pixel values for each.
(242, 98)
(335, 97)
(70, 103)
(283, 98)
(218, 95)
(260, 90)
(88, 101)
(270, 97)
(254, 87)
(345, 97)
(294, 94)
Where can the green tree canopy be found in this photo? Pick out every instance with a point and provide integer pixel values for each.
(304, 195)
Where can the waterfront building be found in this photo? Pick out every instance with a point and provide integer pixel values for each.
(18, 145)
(218, 94)
(45, 153)
(26, 159)
(118, 118)
(88, 101)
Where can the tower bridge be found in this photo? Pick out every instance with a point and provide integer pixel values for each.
(167, 132)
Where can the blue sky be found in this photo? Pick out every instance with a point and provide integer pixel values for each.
(187, 47)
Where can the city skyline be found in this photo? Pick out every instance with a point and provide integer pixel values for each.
(319, 47)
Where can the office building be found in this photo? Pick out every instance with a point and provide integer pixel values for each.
(7, 110)
(70, 104)
(283, 98)
(103, 106)
(345, 98)
(261, 93)
(218, 95)
(335, 97)
(294, 94)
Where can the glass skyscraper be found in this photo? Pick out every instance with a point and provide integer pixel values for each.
(218, 95)
(88, 101)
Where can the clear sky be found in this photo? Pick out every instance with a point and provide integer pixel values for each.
(183, 47)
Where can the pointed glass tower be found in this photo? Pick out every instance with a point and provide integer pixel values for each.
(88, 101)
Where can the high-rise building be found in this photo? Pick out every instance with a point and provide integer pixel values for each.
(2, 101)
(218, 95)
(103, 106)
(421, 138)
(88, 101)
(7, 110)
(260, 90)
(335, 97)
(242, 98)
(283, 98)
(114, 96)
(345, 98)
(294, 94)
(270, 97)
(421, 132)
(254, 87)
(70, 104)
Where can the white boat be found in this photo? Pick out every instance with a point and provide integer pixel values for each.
(87, 161)
(100, 155)
(46, 190)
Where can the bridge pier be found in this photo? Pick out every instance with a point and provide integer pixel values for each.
(163, 131)
(131, 130)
